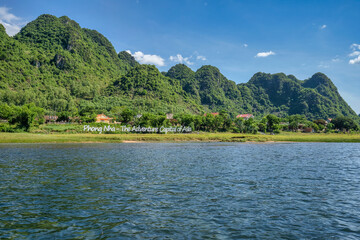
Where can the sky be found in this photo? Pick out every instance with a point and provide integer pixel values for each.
(239, 37)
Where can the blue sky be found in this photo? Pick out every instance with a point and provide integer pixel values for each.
(239, 37)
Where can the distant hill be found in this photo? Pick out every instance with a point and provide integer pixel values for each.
(316, 97)
(60, 66)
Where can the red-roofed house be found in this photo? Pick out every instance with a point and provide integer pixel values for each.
(103, 118)
(245, 116)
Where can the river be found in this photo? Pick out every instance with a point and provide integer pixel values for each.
(180, 190)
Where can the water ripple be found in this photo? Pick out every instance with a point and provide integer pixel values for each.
(182, 190)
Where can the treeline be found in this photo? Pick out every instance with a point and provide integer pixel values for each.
(15, 118)
(20, 118)
(268, 124)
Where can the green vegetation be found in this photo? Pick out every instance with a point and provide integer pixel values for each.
(20, 118)
(75, 73)
(204, 137)
(31, 118)
(345, 124)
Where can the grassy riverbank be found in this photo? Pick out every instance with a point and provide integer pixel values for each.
(203, 137)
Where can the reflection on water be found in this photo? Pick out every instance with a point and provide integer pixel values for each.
(180, 190)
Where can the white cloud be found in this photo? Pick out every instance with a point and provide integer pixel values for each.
(180, 59)
(11, 22)
(355, 46)
(245, 45)
(202, 58)
(321, 65)
(355, 60)
(355, 54)
(323, 27)
(11, 30)
(336, 59)
(147, 58)
(265, 54)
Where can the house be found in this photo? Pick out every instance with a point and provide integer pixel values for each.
(214, 114)
(169, 116)
(102, 118)
(245, 116)
(50, 118)
(138, 116)
(328, 121)
(308, 130)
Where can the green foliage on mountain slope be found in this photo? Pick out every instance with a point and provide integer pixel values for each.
(316, 97)
(59, 66)
(146, 83)
(127, 58)
(208, 87)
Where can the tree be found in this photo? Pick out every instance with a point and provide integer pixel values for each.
(6, 111)
(262, 127)
(345, 124)
(23, 118)
(329, 127)
(198, 122)
(250, 126)
(127, 115)
(272, 121)
(185, 119)
(293, 126)
(115, 112)
(218, 123)
(88, 118)
(159, 121)
(63, 116)
(87, 110)
(209, 122)
(321, 127)
(239, 125)
(295, 120)
(146, 120)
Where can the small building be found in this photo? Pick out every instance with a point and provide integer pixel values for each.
(308, 130)
(138, 116)
(214, 114)
(328, 121)
(50, 118)
(169, 116)
(102, 118)
(245, 116)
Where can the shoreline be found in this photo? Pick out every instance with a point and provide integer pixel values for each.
(171, 138)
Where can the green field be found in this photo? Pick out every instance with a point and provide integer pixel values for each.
(203, 137)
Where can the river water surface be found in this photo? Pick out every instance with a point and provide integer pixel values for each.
(180, 190)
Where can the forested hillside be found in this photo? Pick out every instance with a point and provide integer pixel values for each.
(59, 66)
